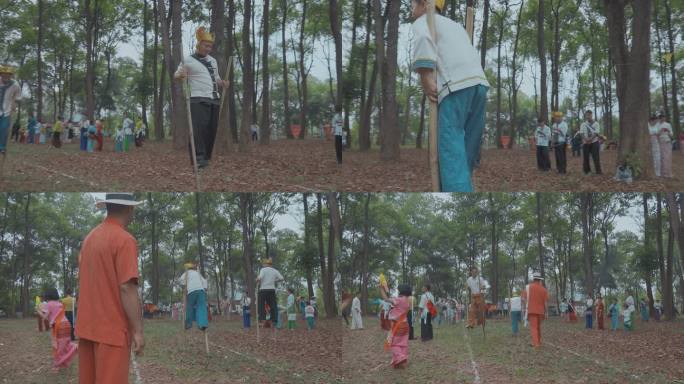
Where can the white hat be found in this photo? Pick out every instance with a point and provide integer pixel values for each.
(537, 276)
(118, 199)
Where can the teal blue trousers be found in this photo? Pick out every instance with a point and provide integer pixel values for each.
(461, 125)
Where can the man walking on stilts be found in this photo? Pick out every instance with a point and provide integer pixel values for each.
(196, 304)
(266, 281)
(201, 70)
(451, 75)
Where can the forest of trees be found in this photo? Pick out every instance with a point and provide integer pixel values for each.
(570, 51)
(582, 242)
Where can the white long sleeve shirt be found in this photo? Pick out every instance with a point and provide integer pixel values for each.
(559, 131)
(356, 305)
(542, 135)
(195, 280)
(202, 75)
(664, 136)
(268, 276)
(10, 92)
(453, 56)
(590, 132)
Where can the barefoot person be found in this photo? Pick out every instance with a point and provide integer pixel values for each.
(267, 279)
(195, 287)
(537, 307)
(201, 70)
(398, 336)
(476, 285)
(10, 93)
(460, 89)
(110, 315)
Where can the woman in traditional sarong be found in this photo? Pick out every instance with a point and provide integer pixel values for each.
(398, 336)
(63, 350)
(600, 311)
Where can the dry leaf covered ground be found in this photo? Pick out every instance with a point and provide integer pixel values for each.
(653, 353)
(292, 166)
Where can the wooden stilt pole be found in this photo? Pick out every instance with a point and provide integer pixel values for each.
(432, 129)
(257, 313)
(192, 135)
(470, 18)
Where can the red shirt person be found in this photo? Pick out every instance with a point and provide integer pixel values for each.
(537, 297)
(109, 317)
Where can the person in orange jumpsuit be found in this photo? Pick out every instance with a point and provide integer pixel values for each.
(110, 315)
(537, 307)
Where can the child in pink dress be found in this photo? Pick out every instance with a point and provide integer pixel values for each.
(398, 336)
(63, 350)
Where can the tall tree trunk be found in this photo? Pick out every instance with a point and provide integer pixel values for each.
(200, 251)
(172, 57)
(308, 262)
(28, 258)
(245, 202)
(157, 80)
(335, 230)
(247, 79)
(303, 73)
(659, 239)
(673, 69)
(39, 60)
(586, 202)
(366, 101)
(223, 47)
(648, 275)
(364, 256)
(421, 124)
(91, 13)
(144, 87)
(485, 32)
(321, 253)
(502, 20)
(541, 48)
(539, 235)
(336, 30)
(265, 137)
(661, 60)
(495, 248)
(632, 67)
(387, 59)
(514, 72)
(286, 72)
(675, 210)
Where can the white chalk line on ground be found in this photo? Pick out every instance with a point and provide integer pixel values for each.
(64, 175)
(595, 361)
(472, 357)
(136, 370)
